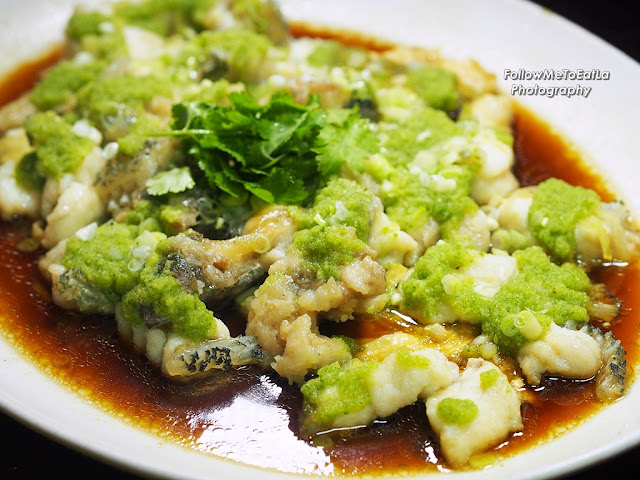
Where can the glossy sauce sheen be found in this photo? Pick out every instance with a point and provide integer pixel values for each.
(250, 415)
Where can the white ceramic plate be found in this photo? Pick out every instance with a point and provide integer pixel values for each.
(500, 34)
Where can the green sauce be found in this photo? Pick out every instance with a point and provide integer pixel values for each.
(158, 290)
(435, 86)
(556, 210)
(336, 391)
(60, 84)
(343, 202)
(424, 290)
(59, 150)
(457, 411)
(103, 259)
(325, 249)
(109, 99)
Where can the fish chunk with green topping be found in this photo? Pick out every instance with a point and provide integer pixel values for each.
(476, 412)
(357, 392)
(570, 222)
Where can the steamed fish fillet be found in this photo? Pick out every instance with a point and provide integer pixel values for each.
(183, 359)
(577, 352)
(286, 308)
(16, 199)
(606, 235)
(564, 352)
(226, 268)
(476, 412)
(356, 393)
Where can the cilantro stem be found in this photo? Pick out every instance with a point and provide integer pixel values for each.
(181, 133)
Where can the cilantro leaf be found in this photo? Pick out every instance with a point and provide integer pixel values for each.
(346, 138)
(266, 150)
(172, 181)
(279, 152)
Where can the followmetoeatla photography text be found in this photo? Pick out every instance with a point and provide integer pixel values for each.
(527, 76)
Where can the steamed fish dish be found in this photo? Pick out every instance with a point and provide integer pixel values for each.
(189, 158)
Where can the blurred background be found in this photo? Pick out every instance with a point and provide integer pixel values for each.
(608, 20)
